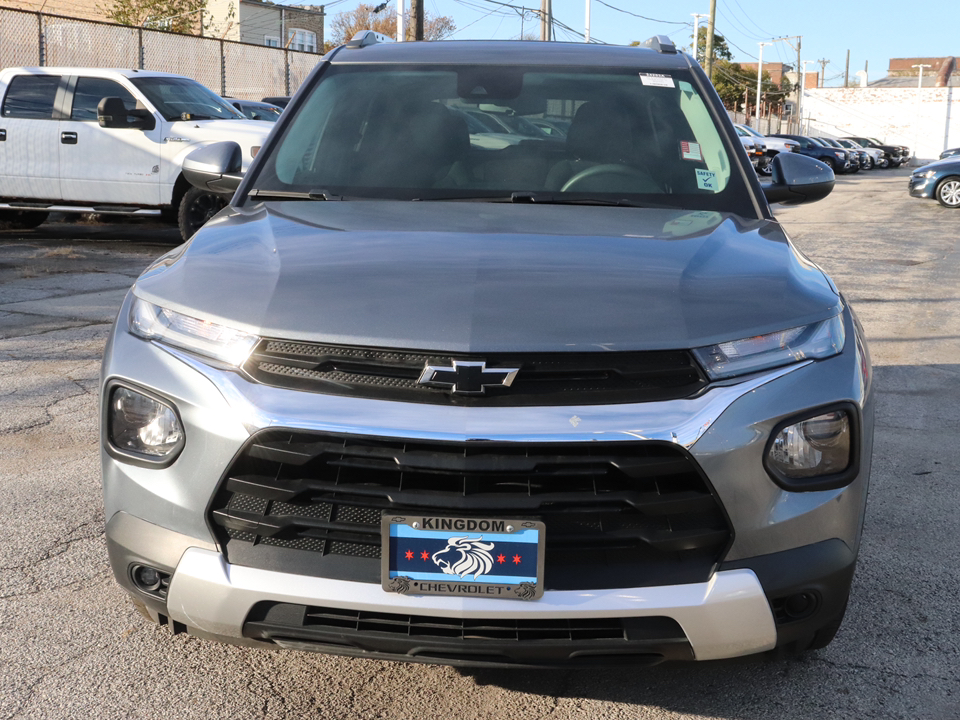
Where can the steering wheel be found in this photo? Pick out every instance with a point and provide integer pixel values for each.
(612, 171)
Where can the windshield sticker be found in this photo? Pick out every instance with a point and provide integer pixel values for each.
(707, 180)
(656, 80)
(690, 151)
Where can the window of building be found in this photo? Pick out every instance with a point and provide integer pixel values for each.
(302, 40)
(271, 41)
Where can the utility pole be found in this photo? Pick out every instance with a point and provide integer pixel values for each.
(416, 13)
(823, 70)
(711, 25)
(401, 8)
(759, 77)
(846, 72)
(546, 19)
(797, 49)
(696, 35)
(586, 24)
(916, 131)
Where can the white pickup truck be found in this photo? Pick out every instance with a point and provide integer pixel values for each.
(110, 141)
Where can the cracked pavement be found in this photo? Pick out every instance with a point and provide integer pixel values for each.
(74, 647)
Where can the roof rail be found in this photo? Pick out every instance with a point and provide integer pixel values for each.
(367, 37)
(660, 43)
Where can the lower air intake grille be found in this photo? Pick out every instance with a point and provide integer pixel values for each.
(504, 641)
(617, 514)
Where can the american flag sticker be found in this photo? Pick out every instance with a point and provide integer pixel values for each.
(690, 151)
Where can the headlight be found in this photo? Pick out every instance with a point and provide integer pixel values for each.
(927, 174)
(840, 154)
(739, 357)
(815, 453)
(142, 425)
(152, 322)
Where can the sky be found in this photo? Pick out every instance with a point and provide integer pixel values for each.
(872, 33)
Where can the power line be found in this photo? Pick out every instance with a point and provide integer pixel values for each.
(642, 17)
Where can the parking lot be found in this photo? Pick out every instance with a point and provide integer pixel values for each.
(73, 646)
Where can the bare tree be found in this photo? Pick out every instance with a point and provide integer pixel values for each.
(183, 16)
(347, 24)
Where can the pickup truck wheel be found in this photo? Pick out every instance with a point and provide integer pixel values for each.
(869, 165)
(196, 207)
(21, 219)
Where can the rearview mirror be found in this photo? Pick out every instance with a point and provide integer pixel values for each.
(798, 179)
(216, 167)
(112, 113)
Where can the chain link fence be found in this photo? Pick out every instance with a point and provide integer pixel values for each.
(232, 69)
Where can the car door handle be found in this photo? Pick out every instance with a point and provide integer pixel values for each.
(68, 138)
(3, 135)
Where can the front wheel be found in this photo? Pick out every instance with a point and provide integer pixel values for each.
(21, 219)
(883, 163)
(196, 207)
(830, 163)
(869, 163)
(948, 192)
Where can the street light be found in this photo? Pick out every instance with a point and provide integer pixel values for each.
(759, 76)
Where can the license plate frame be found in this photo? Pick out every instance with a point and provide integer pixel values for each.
(462, 557)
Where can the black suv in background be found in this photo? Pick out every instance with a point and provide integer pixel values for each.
(899, 154)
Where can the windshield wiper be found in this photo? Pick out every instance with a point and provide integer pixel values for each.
(294, 195)
(533, 198)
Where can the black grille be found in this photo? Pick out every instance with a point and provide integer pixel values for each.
(617, 514)
(488, 640)
(544, 378)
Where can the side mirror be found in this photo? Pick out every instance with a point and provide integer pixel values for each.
(216, 167)
(112, 113)
(798, 179)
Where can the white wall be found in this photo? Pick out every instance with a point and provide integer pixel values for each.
(925, 120)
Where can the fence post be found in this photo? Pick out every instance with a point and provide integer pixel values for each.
(41, 44)
(286, 72)
(140, 46)
(223, 69)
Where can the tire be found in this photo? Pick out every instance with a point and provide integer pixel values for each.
(883, 163)
(766, 168)
(196, 207)
(21, 219)
(830, 163)
(869, 165)
(948, 192)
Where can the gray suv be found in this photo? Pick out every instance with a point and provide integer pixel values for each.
(565, 401)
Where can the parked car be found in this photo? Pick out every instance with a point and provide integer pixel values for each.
(562, 403)
(773, 145)
(751, 146)
(859, 160)
(876, 158)
(256, 110)
(949, 153)
(898, 154)
(836, 159)
(280, 101)
(555, 128)
(940, 180)
(59, 125)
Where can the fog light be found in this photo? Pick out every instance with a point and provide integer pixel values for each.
(143, 425)
(814, 447)
(146, 578)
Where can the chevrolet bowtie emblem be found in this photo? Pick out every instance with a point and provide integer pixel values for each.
(466, 378)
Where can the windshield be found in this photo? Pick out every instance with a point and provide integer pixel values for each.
(176, 97)
(751, 131)
(466, 132)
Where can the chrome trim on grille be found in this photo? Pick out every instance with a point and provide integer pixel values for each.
(681, 421)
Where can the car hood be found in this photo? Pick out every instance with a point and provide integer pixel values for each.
(241, 131)
(486, 277)
(952, 163)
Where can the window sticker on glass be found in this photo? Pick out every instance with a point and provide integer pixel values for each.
(706, 180)
(690, 151)
(656, 80)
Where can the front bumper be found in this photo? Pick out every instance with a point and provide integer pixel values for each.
(922, 187)
(724, 430)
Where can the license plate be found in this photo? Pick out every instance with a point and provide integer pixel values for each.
(469, 557)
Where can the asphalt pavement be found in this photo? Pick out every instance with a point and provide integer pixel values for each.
(72, 646)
